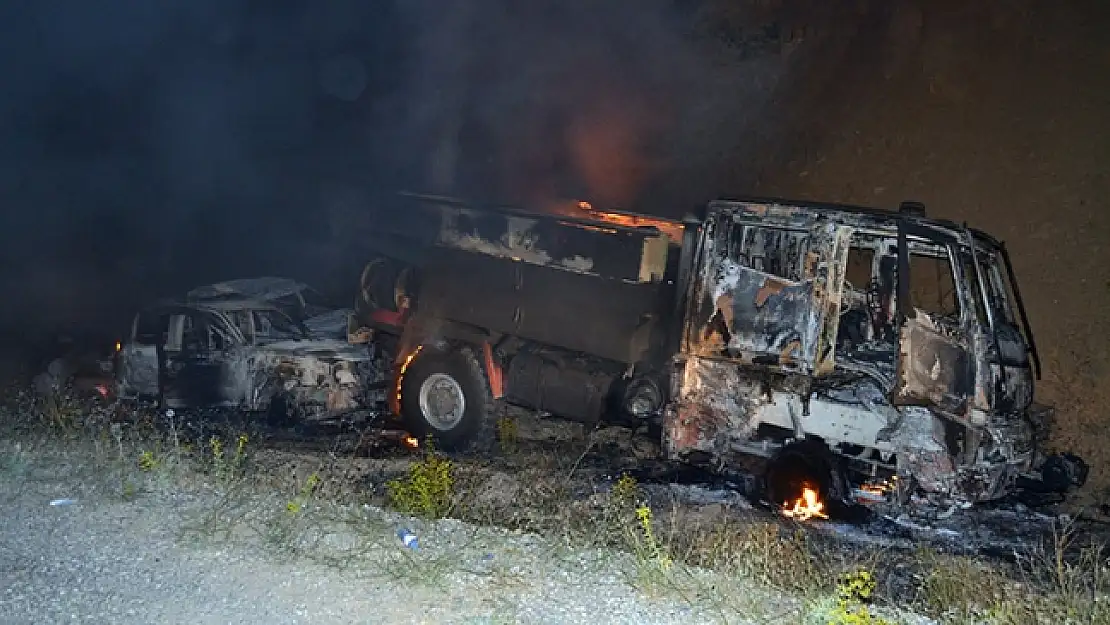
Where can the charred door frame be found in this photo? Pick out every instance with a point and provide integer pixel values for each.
(132, 350)
(197, 377)
(826, 237)
(957, 346)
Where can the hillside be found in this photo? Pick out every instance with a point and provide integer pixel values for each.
(990, 114)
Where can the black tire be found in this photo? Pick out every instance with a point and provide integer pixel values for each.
(474, 431)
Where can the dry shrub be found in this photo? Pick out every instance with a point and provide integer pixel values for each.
(1050, 587)
(766, 552)
(428, 490)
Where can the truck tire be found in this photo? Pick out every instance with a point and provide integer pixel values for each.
(446, 395)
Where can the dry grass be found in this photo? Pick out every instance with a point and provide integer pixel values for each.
(1055, 583)
(300, 506)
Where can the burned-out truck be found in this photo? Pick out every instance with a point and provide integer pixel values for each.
(870, 355)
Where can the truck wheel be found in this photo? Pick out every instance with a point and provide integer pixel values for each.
(447, 396)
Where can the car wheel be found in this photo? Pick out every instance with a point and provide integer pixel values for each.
(446, 395)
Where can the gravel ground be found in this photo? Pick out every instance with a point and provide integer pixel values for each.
(159, 558)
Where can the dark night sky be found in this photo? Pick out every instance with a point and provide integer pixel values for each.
(160, 141)
(148, 146)
(149, 142)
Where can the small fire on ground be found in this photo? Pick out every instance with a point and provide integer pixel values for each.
(808, 506)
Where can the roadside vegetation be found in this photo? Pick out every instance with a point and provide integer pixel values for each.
(334, 505)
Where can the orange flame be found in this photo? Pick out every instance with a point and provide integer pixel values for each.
(411, 442)
(401, 374)
(671, 229)
(877, 491)
(806, 507)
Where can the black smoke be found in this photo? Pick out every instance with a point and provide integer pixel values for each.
(151, 146)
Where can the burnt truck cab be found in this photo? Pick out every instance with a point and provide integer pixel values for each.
(874, 355)
(242, 353)
(895, 343)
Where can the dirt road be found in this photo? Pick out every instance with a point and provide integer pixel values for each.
(166, 552)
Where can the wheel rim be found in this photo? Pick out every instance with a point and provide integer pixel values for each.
(442, 401)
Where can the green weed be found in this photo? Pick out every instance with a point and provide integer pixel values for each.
(507, 435)
(304, 495)
(227, 466)
(853, 594)
(429, 488)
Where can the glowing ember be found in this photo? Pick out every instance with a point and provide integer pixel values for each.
(806, 507)
(401, 374)
(876, 491)
(672, 229)
(411, 442)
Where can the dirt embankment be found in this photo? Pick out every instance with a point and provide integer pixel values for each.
(989, 113)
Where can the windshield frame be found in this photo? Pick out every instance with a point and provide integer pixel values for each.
(302, 332)
(999, 287)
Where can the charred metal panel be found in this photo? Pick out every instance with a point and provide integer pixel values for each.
(572, 390)
(471, 288)
(1011, 373)
(762, 314)
(598, 250)
(768, 296)
(720, 408)
(712, 406)
(612, 319)
(609, 318)
(934, 367)
(832, 243)
(138, 370)
(194, 379)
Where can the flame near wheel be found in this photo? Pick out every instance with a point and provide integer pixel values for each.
(446, 394)
(800, 482)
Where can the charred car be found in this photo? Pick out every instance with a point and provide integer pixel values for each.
(867, 355)
(241, 353)
(299, 301)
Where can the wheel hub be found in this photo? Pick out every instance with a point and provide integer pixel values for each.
(442, 401)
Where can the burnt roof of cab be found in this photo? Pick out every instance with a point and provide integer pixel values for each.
(880, 214)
